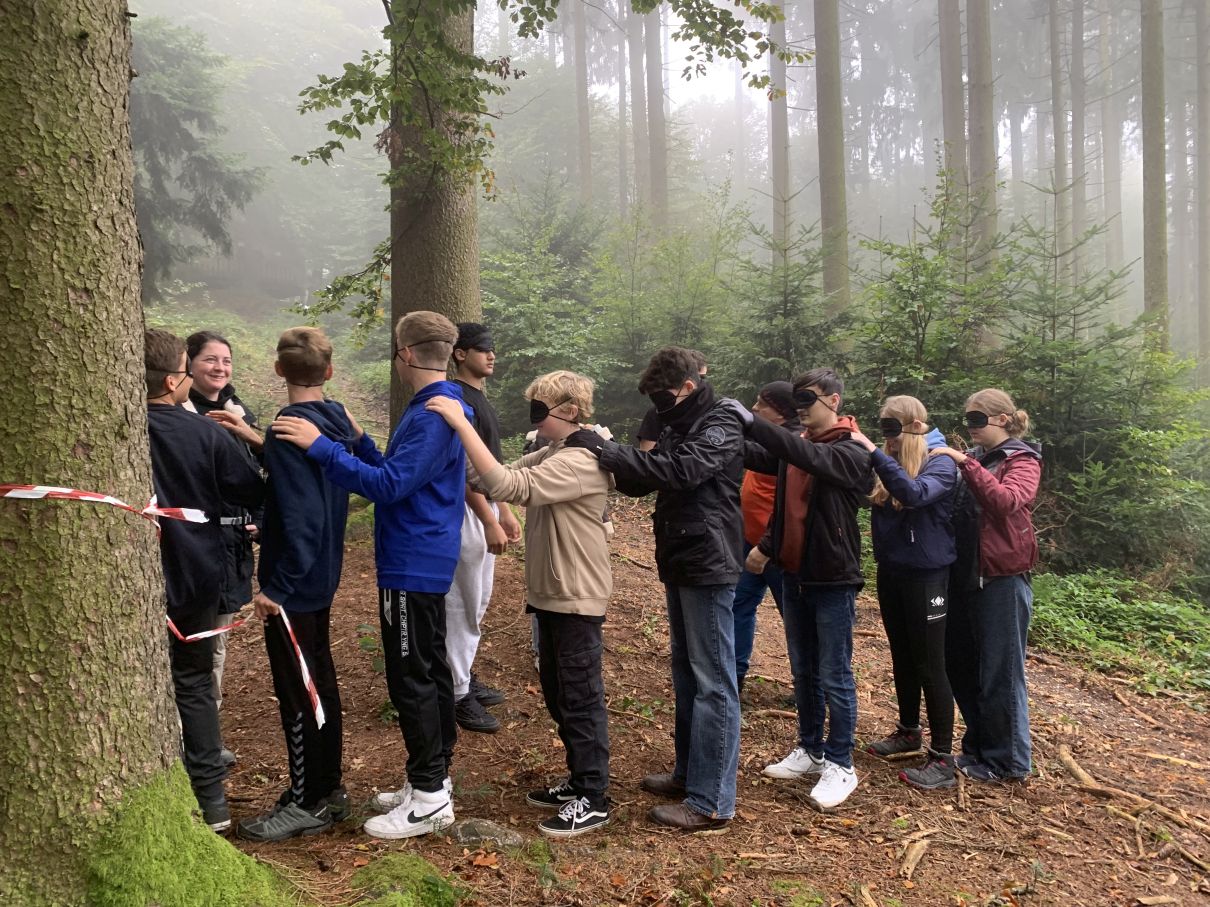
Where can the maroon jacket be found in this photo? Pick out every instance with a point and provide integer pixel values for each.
(1003, 483)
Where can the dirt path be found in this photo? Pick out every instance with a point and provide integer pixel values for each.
(1044, 842)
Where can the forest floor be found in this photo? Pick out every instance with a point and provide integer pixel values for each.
(1045, 842)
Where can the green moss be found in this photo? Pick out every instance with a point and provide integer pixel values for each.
(405, 880)
(156, 850)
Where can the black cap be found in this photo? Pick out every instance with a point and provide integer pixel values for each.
(471, 334)
(780, 396)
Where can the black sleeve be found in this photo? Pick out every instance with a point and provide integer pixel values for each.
(696, 460)
(650, 428)
(841, 462)
(757, 459)
(239, 479)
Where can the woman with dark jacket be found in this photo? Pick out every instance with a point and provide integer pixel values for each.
(914, 547)
(991, 600)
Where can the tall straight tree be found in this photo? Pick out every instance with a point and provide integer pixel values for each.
(1058, 117)
(1155, 189)
(779, 141)
(623, 104)
(982, 111)
(1079, 175)
(579, 29)
(1111, 141)
(833, 213)
(657, 126)
(636, 54)
(953, 98)
(1203, 193)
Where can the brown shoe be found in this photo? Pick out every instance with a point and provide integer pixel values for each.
(663, 785)
(678, 815)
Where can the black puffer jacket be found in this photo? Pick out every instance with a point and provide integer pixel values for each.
(696, 467)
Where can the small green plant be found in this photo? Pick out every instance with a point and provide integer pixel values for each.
(901, 823)
(368, 641)
(539, 858)
(406, 880)
(630, 704)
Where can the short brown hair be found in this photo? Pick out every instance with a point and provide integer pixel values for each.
(430, 334)
(564, 387)
(162, 354)
(669, 368)
(824, 378)
(304, 354)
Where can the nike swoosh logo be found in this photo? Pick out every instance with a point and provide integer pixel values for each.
(412, 817)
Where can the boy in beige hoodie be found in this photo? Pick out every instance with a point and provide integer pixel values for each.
(568, 581)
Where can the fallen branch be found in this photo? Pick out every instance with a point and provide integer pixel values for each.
(1175, 761)
(863, 632)
(1142, 716)
(630, 560)
(1170, 846)
(773, 713)
(912, 854)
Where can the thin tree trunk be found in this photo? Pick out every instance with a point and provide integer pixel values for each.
(1017, 144)
(833, 214)
(738, 168)
(1203, 193)
(434, 235)
(982, 111)
(504, 33)
(1180, 228)
(579, 26)
(623, 144)
(638, 109)
(953, 99)
(657, 129)
(1079, 175)
(1058, 116)
(1111, 148)
(1155, 190)
(779, 141)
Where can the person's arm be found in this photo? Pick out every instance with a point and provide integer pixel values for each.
(238, 476)
(566, 475)
(695, 461)
(237, 427)
(757, 459)
(296, 487)
(509, 522)
(936, 479)
(1015, 490)
(841, 464)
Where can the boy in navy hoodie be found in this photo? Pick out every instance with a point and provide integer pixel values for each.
(302, 548)
(418, 490)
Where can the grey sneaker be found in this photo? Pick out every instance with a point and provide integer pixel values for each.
(904, 740)
(935, 774)
(289, 821)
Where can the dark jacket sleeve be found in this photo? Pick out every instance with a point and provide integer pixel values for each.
(298, 493)
(696, 460)
(757, 459)
(841, 462)
(935, 480)
(239, 478)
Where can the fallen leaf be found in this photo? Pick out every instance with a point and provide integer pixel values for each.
(490, 860)
(1151, 900)
(617, 881)
(359, 862)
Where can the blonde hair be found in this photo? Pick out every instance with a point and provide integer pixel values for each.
(304, 354)
(913, 448)
(564, 387)
(996, 402)
(431, 334)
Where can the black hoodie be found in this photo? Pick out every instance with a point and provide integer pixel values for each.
(302, 540)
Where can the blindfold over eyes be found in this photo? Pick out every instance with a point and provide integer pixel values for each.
(976, 419)
(538, 410)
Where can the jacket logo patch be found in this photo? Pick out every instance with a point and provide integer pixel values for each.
(714, 435)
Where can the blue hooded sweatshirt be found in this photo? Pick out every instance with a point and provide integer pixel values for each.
(920, 536)
(418, 490)
(302, 539)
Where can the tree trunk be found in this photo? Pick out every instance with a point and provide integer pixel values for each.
(504, 33)
(1111, 149)
(579, 25)
(1179, 228)
(657, 129)
(1155, 190)
(740, 153)
(87, 723)
(638, 109)
(623, 144)
(1079, 175)
(833, 215)
(953, 99)
(434, 236)
(1058, 116)
(779, 141)
(982, 111)
(1016, 120)
(1203, 193)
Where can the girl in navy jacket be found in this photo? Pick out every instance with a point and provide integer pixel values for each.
(914, 548)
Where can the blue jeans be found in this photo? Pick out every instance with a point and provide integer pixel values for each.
(749, 593)
(702, 631)
(819, 637)
(985, 659)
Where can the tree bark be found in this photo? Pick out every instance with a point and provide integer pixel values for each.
(579, 25)
(504, 33)
(1180, 228)
(1079, 175)
(1111, 147)
(434, 236)
(1016, 120)
(779, 141)
(982, 112)
(657, 128)
(1155, 190)
(87, 721)
(953, 99)
(1058, 116)
(739, 154)
(833, 214)
(1203, 193)
(623, 102)
(638, 109)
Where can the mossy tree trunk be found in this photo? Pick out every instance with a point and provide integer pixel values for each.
(85, 709)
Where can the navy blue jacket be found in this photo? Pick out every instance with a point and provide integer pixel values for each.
(920, 536)
(418, 490)
(302, 538)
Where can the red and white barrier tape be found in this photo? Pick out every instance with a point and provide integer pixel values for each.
(312, 692)
(205, 634)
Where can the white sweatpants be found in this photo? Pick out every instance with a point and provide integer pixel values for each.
(466, 602)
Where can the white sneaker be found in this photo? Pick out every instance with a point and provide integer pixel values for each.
(423, 814)
(835, 784)
(388, 800)
(795, 765)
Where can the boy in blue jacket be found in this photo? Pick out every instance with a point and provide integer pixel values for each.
(418, 492)
(302, 550)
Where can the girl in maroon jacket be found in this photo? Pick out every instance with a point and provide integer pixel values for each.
(991, 601)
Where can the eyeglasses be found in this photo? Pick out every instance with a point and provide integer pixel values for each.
(181, 371)
(976, 419)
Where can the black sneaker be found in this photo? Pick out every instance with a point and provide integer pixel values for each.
(289, 821)
(552, 797)
(577, 817)
(216, 815)
(904, 740)
(337, 803)
(935, 774)
(472, 716)
(485, 694)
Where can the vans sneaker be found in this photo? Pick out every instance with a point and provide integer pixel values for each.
(903, 740)
(576, 817)
(289, 821)
(795, 765)
(472, 716)
(935, 774)
(387, 800)
(485, 694)
(423, 814)
(835, 784)
(217, 815)
(552, 797)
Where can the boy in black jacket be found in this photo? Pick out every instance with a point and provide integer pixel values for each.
(194, 463)
(302, 549)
